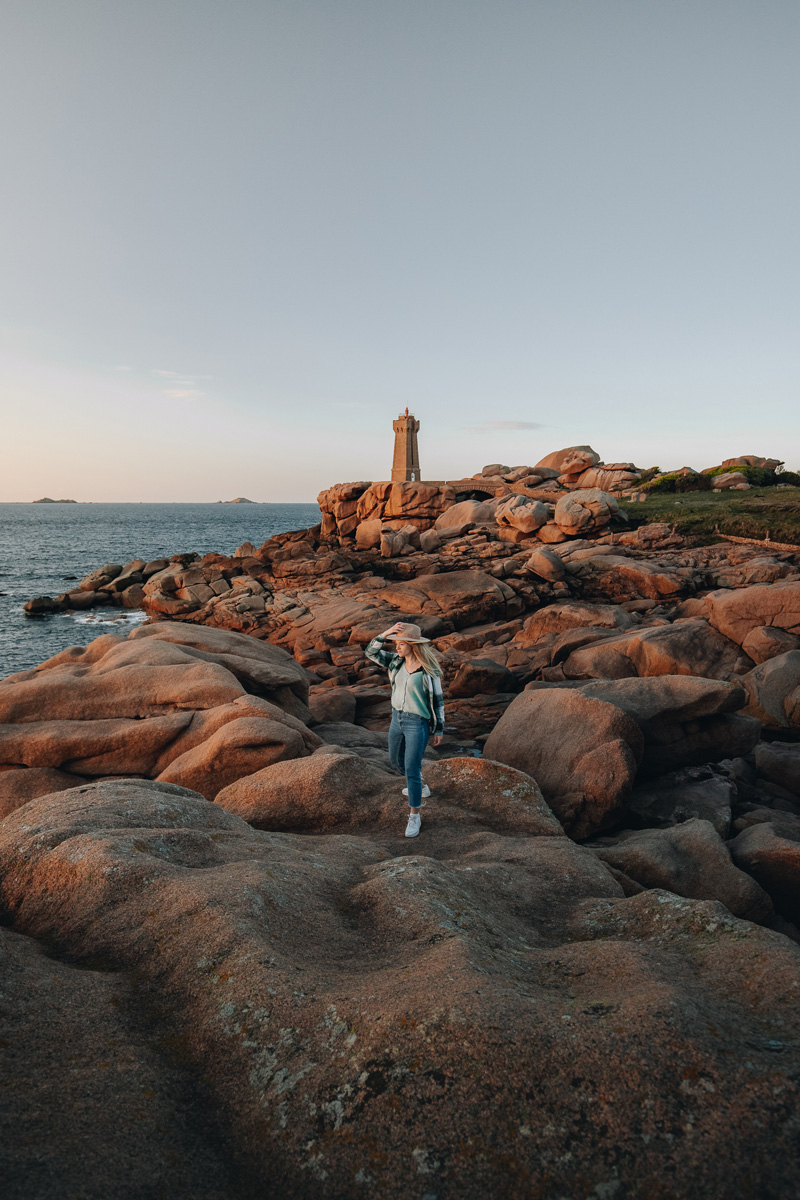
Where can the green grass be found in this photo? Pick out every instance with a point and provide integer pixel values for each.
(742, 514)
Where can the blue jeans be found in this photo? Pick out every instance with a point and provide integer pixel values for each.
(408, 737)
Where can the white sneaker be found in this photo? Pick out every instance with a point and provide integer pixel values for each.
(426, 791)
(414, 822)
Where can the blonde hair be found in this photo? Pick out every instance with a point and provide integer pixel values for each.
(426, 655)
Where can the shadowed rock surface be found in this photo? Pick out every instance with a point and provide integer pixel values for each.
(690, 859)
(94, 1104)
(770, 852)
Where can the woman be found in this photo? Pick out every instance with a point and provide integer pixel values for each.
(417, 706)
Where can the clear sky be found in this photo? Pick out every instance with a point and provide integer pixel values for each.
(237, 237)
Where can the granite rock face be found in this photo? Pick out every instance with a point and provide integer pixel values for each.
(779, 762)
(189, 705)
(572, 460)
(582, 752)
(690, 859)
(318, 986)
(92, 1105)
(18, 785)
(585, 510)
(705, 792)
(586, 744)
(770, 852)
(773, 689)
(736, 613)
(686, 647)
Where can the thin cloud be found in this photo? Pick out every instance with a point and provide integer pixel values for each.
(506, 425)
(177, 374)
(179, 386)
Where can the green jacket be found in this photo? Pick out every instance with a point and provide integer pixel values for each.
(432, 683)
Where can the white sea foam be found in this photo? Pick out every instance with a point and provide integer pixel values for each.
(110, 616)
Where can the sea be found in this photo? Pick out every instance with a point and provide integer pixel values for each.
(46, 548)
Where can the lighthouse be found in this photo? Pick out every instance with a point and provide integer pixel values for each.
(405, 464)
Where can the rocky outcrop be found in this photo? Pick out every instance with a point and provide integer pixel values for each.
(691, 860)
(340, 791)
(737, 613)
(18, 785)
(413, 503)
(180, 703)
(752, 460)
(730, 479)
(580, 467)
(332, 791)
(482, 677)
(585, 511)
(609, 477)
(323, 602)
(582, 752)
(763, 643)
(585, 744)
(772, 857)
(685, 721)
(458, 518)
(339, 505)
(571, 614)
(547, 565)
(117, 584)
(472, 988)
(780, 763)
(572, 460)
(523, 515)
(686, 647)
(520, 476)
(773, 690)
(619, 578)
(348, 505)
(707, 793)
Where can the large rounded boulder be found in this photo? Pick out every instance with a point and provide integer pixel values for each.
(582, 752)
(584, 511)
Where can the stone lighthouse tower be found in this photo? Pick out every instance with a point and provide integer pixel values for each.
(405, 464)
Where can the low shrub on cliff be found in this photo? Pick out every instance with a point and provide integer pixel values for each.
(675, 482)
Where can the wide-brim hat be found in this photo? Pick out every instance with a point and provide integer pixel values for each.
(410, 633)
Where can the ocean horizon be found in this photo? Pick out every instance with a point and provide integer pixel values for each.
(46, 548)
(213, 503)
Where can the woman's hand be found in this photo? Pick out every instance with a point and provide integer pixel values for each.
(437, 741)
(396, 628)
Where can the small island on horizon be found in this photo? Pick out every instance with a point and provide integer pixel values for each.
(238, 500)
(49, 500)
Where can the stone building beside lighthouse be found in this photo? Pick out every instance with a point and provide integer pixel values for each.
(405, 464)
